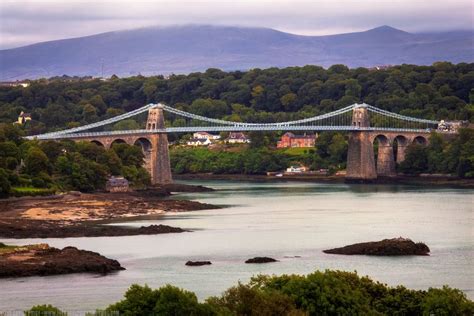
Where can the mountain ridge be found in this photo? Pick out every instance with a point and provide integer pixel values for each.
(189, 48)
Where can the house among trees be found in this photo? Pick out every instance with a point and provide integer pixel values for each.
(297, 169)
(202, 139)
(199, 142)
(23, 118)
(237, 138)
(291, 140)
(206, 135)
(117, 184)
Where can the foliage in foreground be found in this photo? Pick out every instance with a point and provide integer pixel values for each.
(319, 293)
(44, 310)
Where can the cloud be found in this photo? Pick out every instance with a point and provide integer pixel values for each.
(28, 21)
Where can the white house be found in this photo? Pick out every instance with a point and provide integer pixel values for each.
(206, 135)
(237, 138)
(199, 142)
(297, 169)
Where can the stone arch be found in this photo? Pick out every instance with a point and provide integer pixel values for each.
(382, 139)
(98, 143)
(147, 148)
(420, 140)
(385, 162)
(400, 144)
(144, 143)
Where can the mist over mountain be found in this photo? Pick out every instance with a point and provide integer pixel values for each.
(184, 49)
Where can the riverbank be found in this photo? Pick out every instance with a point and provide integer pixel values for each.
(441, 181)
(83, 215)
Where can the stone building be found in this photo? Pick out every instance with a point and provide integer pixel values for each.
(117, 184)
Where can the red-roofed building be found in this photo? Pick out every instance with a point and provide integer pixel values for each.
(291, 140)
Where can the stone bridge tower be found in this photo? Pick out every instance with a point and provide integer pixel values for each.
(360, 155)
(159, 160)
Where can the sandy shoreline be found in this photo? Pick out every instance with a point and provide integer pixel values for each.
(78, 215)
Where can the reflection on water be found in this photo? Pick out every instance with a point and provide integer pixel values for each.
(279, 220)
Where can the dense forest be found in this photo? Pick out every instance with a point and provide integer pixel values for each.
(440, 91)
(319, 293)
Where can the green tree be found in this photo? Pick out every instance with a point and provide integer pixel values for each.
(4, 184)
(447, 302)
(36, 161)
(44, 310)
(165, 301)
(129, 155)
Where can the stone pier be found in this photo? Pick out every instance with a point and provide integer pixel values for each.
(159, 159)
(385, 160)
(360, 155)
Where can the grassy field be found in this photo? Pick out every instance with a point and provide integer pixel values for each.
(31, 191)
(295, 151)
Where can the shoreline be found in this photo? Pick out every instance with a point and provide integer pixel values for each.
(437, 181)
(85, 215)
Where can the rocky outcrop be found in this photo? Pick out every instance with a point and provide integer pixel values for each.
(261, 260)
(22, 228)
(42, 260)
(181, 187)
(387, 247)
(198, 263)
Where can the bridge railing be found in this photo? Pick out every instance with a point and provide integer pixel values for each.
(339, 120)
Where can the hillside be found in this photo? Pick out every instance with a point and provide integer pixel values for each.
(184, 49)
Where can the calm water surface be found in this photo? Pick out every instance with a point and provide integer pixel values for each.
(279, 220)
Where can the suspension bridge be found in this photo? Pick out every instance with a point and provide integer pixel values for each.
(365, 124)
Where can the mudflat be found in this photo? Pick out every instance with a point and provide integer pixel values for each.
(79, 214)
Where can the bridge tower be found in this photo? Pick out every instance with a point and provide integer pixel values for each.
(159, 159)
(360, 155)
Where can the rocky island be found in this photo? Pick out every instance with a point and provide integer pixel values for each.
(42, 260)
(261, 260)
(197, 263)
(387, 247)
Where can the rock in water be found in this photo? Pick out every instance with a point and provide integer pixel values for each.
(387, 247)
(40, 260)
(261, 260)
(198, 263)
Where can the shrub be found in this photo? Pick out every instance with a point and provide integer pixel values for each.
(45, 310)
(4, 184)
(319, 293)
(167, 300)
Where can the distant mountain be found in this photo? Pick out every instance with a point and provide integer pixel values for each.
(184, 49)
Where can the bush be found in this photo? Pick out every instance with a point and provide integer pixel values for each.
(44, 310)
(318, 293)
(4, 184)
(167, 300)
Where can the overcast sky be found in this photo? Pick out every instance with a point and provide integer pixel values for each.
(26, 22)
